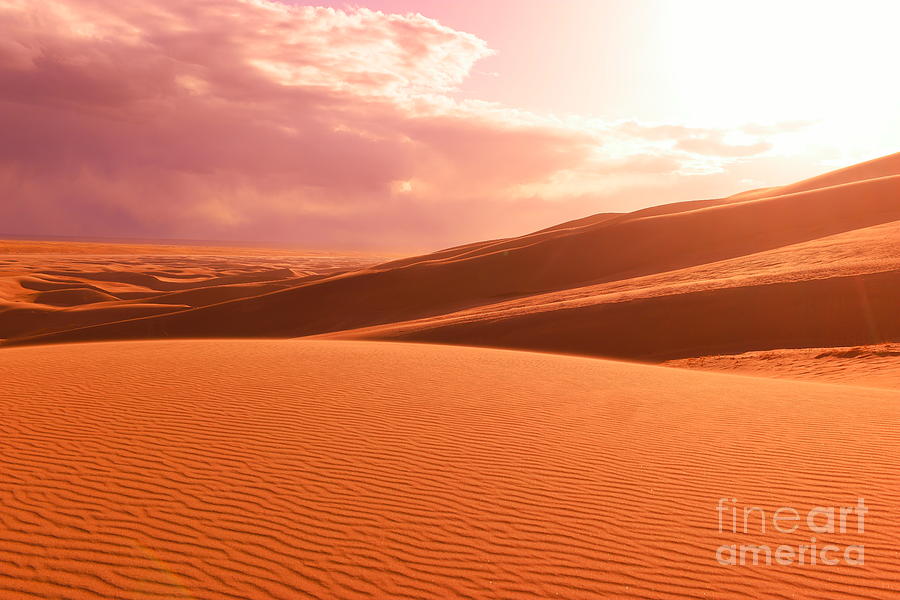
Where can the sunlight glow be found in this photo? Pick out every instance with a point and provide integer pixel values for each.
(768, 61)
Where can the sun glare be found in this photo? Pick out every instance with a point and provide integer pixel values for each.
(728, 62)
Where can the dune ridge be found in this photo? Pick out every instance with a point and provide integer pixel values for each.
(815, 313)
(873, 365)
(870, 169)
(806, 265)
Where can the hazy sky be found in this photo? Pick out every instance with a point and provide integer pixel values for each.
(407, 125)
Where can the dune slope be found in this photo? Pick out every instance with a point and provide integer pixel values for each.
(875, 365)
(605, 250)
(305, 469)
(816, 313)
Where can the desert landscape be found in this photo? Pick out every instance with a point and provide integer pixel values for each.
(347, 462)
(428, 300)
(806, 274)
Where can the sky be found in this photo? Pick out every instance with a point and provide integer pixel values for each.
(400, 125)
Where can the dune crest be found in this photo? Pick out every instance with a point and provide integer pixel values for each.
(812, 264)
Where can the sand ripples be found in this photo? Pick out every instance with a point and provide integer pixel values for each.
(287, 470)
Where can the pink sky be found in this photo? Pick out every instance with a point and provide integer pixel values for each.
(401, 125)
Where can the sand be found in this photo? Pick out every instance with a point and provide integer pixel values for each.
(353, 463)
(262, 469)
(48, 286)
(868, 366)
(809, 265)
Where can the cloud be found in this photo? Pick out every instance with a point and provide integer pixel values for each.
(253, 119)
(716, 146)
(224, 117)
(708, 141)
(776, 128)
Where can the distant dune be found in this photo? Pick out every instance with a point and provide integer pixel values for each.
(869, 366)
(808, 265)
(92, 247)
(58, 286)
(316, 469)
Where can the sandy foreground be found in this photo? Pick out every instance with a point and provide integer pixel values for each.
(348, 469)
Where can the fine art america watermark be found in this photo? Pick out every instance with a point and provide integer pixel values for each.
(821, 520)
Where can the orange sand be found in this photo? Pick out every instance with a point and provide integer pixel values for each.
(293, 469)
(56, 286)
(809, 265)
(869, 366)
(320, 469)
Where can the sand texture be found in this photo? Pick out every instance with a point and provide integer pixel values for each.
(329, 469)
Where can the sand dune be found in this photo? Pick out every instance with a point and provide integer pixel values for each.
(808, 265)
(872, 169)
(66, 286)
(171, 248)
(73, 296)
(869, 366)
(27, 319)
(814, 313)
(286, 469)
(341, 468)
